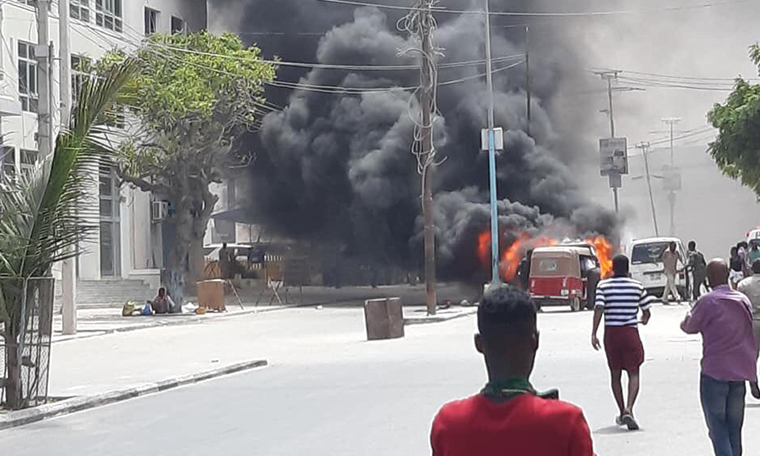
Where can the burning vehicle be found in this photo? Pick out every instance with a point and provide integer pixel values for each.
(564, 275)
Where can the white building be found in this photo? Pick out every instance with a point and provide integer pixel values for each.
(129, 243)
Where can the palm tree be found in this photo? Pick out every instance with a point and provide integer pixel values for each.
(42, 217)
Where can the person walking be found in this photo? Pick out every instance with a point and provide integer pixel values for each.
(670, 261)
(698, 268)
(743, 249)
(751, 288)
(724, 318)
(736, 264)
(619, 300)
(509, 416)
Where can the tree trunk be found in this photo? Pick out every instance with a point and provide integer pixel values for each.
(196, 263)
(13, 396)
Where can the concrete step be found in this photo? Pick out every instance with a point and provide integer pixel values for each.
(108, 293)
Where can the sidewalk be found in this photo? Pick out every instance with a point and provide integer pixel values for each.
(96, 321)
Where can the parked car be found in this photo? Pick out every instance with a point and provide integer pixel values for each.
(647, 266)
(564, 276)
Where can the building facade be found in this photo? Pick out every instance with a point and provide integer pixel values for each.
(128, 244)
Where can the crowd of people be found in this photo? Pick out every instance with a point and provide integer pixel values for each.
(510, 413)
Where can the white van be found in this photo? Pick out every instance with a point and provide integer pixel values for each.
(647, 266)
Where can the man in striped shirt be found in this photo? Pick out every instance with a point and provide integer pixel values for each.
(619, 299)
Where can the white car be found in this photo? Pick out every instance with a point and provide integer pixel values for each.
(647, 266)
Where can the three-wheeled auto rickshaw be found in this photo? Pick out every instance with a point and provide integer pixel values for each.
(564, 276)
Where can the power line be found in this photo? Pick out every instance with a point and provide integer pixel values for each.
(327, 66)
(545, 14)
(691, 78)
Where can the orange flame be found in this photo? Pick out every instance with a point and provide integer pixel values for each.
(484, 248)
(603, 253)
(510, 259)
(514, 253)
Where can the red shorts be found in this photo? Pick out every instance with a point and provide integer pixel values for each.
(623, 347)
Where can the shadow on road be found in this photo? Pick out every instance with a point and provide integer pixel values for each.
(612, 430)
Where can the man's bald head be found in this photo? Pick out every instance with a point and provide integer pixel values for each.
(717, 272)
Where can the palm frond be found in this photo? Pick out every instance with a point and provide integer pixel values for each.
(44, 215)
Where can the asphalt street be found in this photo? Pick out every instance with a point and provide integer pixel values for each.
(336, 394)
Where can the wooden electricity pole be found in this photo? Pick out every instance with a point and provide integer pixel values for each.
(426, 155)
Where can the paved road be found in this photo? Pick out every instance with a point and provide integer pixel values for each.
(338, 395)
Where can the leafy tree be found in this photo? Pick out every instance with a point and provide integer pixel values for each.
(736, 150)
(193, 97)
(41, 221)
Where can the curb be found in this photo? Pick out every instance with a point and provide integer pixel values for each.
(439, 318)
(77, 404)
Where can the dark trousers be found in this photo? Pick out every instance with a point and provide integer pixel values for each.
(723, 406)
(697, 281)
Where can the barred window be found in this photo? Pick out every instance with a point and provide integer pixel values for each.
(80, 9)
(80, 72)
(27, 77)
(108, 14)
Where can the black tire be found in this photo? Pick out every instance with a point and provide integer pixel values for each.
(575, 304)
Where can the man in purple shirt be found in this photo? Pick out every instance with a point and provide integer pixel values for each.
(724, 318)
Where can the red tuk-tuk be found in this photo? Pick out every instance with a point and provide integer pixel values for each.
(564, 276)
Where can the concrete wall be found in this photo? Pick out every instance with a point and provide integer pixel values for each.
(140, 239)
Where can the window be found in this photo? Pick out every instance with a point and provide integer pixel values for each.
(178, 25)
(28, 161)
(27, 77)
(547, 265)
(8, 160)
(29, 2)
(108, 14)
(80, 72)
(80, 9)
(151, 21)
(648, 253)
(109, 221)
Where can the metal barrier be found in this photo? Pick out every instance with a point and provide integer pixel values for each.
(27, 325)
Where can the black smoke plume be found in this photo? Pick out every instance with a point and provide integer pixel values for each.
(336, 170)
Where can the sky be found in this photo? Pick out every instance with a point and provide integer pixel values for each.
(686, 43)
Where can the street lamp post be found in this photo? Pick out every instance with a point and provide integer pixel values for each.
(492, 155)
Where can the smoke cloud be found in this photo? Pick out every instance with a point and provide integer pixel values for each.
(336, 170)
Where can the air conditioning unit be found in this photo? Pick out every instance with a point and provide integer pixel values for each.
(159, 210)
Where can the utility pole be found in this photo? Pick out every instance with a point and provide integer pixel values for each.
(426, 154)
(43, 53)
(68, 271)
(644, 146)
(616, 179)
(671, 122)
(527, 74)
(492, 154)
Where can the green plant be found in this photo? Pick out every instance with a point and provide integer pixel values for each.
(193, 96)
(42, 214)
(736, 149)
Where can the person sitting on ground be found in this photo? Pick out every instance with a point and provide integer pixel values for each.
(162, 304)
(509, 416)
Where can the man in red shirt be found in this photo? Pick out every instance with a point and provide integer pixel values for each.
(509, 417)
